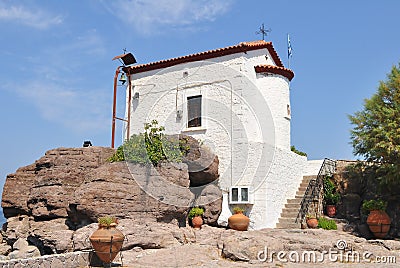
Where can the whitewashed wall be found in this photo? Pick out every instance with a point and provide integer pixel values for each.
(244, 120)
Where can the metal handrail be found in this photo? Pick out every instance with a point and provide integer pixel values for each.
(314, 187)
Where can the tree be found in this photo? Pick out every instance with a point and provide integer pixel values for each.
(376, 132)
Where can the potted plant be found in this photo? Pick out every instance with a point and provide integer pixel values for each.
(378, 220)
(195, 215)
(238, 221)
(331, 197)
(107, 240)
(312, 221)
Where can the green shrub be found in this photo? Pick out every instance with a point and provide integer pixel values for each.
(152, 146)
(331, 197)
(293, 149)
(327, 224)
(196, 211)
(238, 209)
(107, 221)
(374, 204)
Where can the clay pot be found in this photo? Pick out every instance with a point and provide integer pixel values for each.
(312, 223)
(107, 242)
(331, 210)
(379, 223)
(197, 222)
(239, 222)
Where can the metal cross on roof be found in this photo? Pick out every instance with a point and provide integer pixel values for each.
(263, 31)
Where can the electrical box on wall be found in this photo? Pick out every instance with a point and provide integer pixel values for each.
(240, 195)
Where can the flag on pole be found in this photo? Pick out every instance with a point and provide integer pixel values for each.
(289, 47)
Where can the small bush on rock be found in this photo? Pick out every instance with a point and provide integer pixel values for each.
(152, 146)
(327, 224)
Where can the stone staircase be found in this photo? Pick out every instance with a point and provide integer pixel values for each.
(292, 207)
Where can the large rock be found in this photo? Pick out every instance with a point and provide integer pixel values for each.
(132, 191)
(201, 161)
(44, 189)
(51, 236)
(68, 189)
(209, 197)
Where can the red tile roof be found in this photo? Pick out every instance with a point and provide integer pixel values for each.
(242, 47)
(275, 70)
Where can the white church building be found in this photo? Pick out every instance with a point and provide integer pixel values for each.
(235, 100)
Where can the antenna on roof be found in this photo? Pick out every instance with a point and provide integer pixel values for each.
(263, 31)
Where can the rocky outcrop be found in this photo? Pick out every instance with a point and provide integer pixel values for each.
(44, 188)
(357, 184)
(48, 202)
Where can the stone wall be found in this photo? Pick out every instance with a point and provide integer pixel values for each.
(355, 187)
(70, 259)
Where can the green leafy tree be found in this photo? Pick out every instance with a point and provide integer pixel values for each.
(376, 132)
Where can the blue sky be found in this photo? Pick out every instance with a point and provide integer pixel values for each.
(57, 74)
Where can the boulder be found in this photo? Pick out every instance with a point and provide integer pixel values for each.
(28, 252)
(51, 236)
(20, 244)
(22, 250)
(17, 227)
(202, 163)
(80, 238)
(209, 197)
(44, 189)
(132, 191)
(4, 249)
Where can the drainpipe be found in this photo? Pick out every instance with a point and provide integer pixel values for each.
(114, 113)
(128, 121)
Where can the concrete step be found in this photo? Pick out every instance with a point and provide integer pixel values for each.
(285, 210)
(290, 212)
(288, 225)
(292, 215)
(294, 201)
(292, 205)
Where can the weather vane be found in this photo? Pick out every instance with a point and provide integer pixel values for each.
(263, 31)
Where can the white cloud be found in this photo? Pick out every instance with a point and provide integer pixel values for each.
(80, 110)
(157, 16)
(30, 17)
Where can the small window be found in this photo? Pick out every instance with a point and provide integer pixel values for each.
(235, 195)
(194, 111)
(239, 195)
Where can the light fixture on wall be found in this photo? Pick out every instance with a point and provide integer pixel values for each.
(136, 95)
(179, 114)
(126, 59)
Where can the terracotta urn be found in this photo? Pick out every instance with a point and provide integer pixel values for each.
(379, 223)
(107, 242)
(238, 221)
(331, 210)
(312, 223)
(197, 222)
